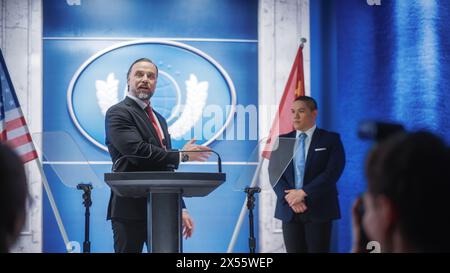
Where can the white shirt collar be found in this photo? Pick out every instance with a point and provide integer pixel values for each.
(140, 102)
(308, 132)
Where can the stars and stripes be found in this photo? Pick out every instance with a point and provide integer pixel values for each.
(13, 127)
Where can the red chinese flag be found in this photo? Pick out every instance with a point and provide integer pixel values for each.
(295, 87)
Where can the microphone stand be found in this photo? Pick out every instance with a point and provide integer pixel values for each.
(251, 205)
(87, 202)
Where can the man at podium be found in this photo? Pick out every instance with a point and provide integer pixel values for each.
(138, 140)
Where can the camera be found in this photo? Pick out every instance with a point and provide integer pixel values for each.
(378, 131)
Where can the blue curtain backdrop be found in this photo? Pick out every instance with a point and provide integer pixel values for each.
(389, 62)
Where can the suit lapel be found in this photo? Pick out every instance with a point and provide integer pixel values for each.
(312, 147)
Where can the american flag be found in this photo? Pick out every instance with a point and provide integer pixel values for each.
(13, 127)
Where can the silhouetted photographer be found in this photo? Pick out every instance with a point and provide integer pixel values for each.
(406, 203)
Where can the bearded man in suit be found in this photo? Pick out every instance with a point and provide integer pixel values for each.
(138, 140)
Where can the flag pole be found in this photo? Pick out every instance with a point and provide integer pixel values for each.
(58, 219)
(62, 230)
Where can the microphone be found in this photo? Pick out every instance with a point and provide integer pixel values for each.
(114, 167)
(219, 159)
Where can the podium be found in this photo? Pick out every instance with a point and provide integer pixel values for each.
(164, 191)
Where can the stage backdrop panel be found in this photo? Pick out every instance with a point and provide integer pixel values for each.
(209, 47)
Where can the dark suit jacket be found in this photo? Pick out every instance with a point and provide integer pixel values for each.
(322, 171)
(129, 131)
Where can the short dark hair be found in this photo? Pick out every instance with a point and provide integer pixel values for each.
(309, 101)
(141, 60)
(413, 171)
(13, 196)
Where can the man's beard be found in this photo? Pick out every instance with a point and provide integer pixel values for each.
(143, 95)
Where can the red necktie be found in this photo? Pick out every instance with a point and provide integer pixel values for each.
(152, 117)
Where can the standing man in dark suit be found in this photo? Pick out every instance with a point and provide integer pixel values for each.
(307, 197)
(138, 140)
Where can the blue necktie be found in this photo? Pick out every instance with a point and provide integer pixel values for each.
(300, 161)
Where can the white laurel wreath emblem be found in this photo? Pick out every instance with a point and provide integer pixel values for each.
(196, 96)
(107, 92)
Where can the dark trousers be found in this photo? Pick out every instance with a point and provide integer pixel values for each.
(307, 237)
(129, 236)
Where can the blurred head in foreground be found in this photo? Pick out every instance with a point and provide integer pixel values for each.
(407, 203)
(13, 197)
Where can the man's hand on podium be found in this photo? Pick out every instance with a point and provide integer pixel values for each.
(196, 156)
(188, 225)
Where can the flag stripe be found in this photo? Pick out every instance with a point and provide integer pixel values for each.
(29, 156)
(24, 149)
(17, 132)
(19, 141)
(15, 123)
